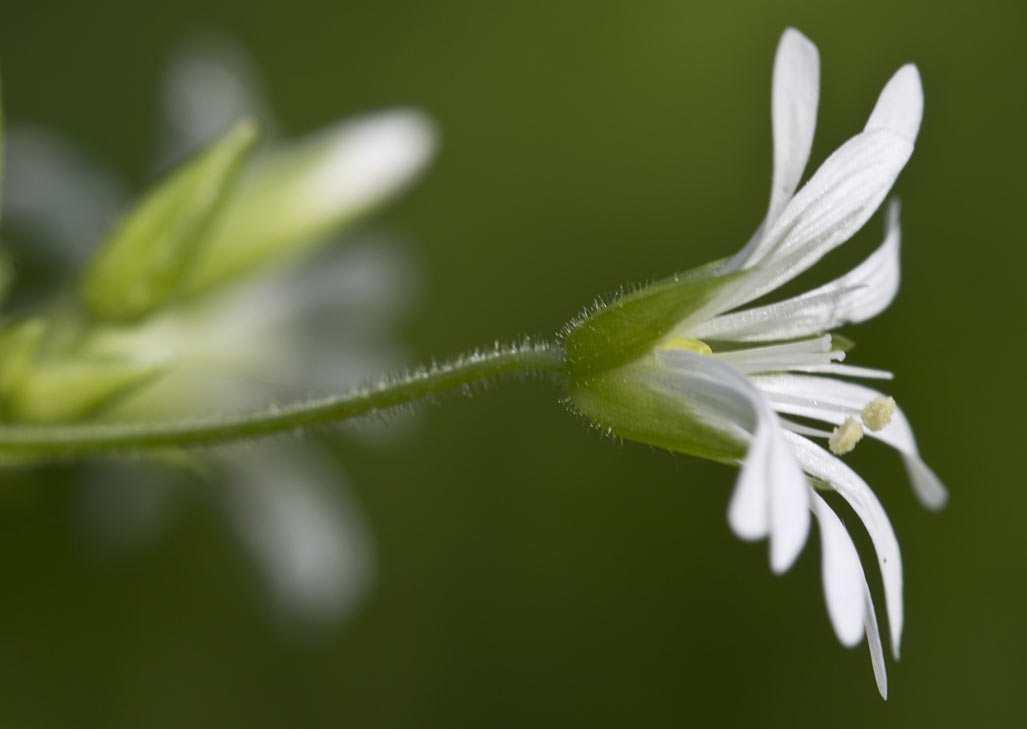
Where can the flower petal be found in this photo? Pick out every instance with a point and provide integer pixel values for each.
(831, 470)
(841, 196)
(859, 295)
(874, 642)
(842, 574)
(832, 401)
(900, 107)
(307, 537)
(770, 496)
(796, 94)
(843, 370)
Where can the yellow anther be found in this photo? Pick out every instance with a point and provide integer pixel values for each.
(845, 437)
(878, 412)
(690, 345)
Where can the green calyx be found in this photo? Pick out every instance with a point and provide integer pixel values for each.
(632, 402)
(141, 265)
(633, 324)
(618, 382)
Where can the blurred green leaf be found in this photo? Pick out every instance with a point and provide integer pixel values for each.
(142, 264)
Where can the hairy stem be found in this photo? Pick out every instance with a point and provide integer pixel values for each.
(84, 439)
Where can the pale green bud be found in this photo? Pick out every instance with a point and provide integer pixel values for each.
(143, 262)
(295, 195)
(18, 346)
(64, 390)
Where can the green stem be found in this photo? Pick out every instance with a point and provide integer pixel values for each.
(68, 440)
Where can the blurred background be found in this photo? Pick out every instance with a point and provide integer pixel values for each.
(525, 571)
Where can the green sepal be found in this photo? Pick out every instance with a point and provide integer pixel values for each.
(286, 205)
(841, 343)
(633, 324)
(627, 402)
(66, 390)
(19, 343)
(142, 264)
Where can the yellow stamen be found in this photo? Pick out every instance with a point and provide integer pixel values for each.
(845, 437)
(878, 412)
(690, 345)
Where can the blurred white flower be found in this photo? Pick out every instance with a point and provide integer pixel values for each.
(256, 325)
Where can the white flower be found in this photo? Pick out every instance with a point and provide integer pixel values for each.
(719, 374)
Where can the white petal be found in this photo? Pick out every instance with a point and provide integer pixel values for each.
(785, 356)
(209, 84)
(843, 370)
(771, 492)
(310, 543)
(874, 643)
(832, 401)
(747, 513)
(900, 107)
(841, 196)
(857, 296)
(59, 193)
(842, 574)
(926, 485)
(368, 159)
(831, 470)
(796, 93)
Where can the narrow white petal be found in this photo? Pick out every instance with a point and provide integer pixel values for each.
(842, 574)
(874, 643)
(309, 541)
(841, 196)
(775, 357)
(926, 485)
(789, 502)
(844, 370)
(61, 194)
(859, 295)
(747, 512)
(796, 93)
(794, 99)
(771, 492)
(210, 83)
(900, 107)
(832, 401)
(367, 160)
(831, 470)
(800, 316)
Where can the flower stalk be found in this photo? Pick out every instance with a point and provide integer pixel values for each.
(61, 441)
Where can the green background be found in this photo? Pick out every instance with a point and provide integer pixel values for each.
(532, 573)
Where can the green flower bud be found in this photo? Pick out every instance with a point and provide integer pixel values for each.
(64, 390)
(18, 346)
(298, 193)
(142, 264)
